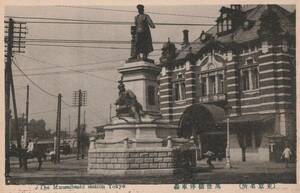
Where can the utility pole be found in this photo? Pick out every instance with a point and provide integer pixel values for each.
(22, 130)
(7, 93)
(79, 99)
(69, 125)
(227, 109)
(110, 106)
(27, 112)
(78, 124)
(12, 44)
(82, 137)
(15, 112)
(58, 128)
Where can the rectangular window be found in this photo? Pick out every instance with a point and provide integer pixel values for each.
(176, 92)
(182, 93)
(245, 80)
(179, 91)
(220, 83)
(212, 85)
(250, 78)
(229, 25)
(222, 29)
(203, 87)
(255, 78)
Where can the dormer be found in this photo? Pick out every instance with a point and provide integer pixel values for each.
(229, 19)
(236, 7)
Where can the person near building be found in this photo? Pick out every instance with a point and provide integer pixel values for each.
(286, 155)
(210, 156)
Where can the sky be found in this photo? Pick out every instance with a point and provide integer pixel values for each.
(100, 82)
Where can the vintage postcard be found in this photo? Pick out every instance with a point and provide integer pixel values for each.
(134, 96)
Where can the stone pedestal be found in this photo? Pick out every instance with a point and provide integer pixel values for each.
(144, 146)
(141, 78)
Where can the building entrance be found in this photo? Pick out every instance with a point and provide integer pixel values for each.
(201, 121)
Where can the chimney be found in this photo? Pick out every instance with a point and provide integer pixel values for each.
(185, 38)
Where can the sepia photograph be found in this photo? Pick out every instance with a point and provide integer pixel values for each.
(144, 94)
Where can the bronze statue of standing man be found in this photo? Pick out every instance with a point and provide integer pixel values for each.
(143, 40)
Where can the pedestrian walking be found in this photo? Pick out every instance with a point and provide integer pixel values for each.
(210, 155)
(286, 155)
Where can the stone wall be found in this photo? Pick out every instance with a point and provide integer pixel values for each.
(146, 159)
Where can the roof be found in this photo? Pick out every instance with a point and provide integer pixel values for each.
(217, 112)
(210, 112)
(252, 118)
(241, 35)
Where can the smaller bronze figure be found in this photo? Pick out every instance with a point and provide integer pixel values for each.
(143, 40)
(127, 104)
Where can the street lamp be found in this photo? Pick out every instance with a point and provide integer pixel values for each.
(228, 164)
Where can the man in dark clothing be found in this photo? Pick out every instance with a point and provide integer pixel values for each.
(143, 40)
(210, 155)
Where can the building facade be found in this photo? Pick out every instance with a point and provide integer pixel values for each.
(243, 68)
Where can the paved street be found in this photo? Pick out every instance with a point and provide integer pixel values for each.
(74, 171)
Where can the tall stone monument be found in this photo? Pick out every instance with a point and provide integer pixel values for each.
(138, 141)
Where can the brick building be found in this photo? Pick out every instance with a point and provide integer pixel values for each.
(242, 68)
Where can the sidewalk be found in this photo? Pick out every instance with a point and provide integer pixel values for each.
(15, 161)
(75, 171)
(248, 166)
(246, 172)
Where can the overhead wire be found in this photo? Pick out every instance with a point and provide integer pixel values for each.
(54, 20)
(39, 112)
(76, 46)
(77, 71)
(74, 65)
(131, 11)
(117, 23)
(35, 84)
(87, 41)
(68, 71)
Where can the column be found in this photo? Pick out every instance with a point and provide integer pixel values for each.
(216, 83)
(253, 138)
(190, 83)
(207, 85)
(250, 79)
(165, 94)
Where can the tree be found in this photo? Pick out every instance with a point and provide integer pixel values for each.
(63, 134)
(36, 129)
(270, 24)
(13, 129)
(83, 136)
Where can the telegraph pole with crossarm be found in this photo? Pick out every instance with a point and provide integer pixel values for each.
(14, 43)
(79, 99)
